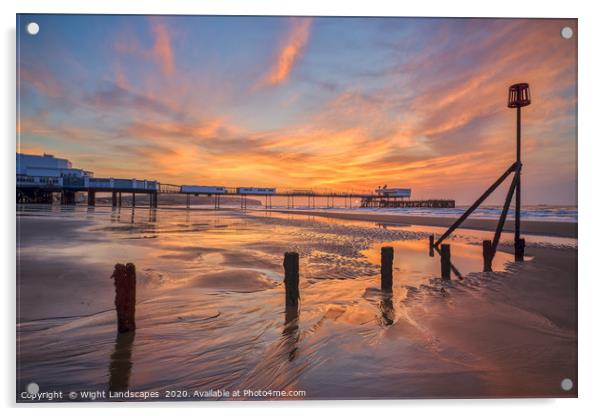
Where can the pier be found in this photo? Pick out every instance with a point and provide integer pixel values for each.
(378, 201)
(43, 179)
(42, 189)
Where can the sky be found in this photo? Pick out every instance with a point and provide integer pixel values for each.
(300, 102)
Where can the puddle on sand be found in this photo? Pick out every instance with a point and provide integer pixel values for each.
(413, 266)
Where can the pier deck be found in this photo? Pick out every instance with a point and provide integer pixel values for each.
(42, 190)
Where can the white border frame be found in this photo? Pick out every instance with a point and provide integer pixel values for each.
(590, 287)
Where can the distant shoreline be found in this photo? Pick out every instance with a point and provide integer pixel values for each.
(562, 229)
(548, 228)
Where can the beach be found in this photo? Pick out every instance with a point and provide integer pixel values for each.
(211, 314)
(551, 228)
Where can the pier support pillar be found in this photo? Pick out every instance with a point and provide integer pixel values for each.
(153, 199)
(119, 199)
(124, 278)
(114, 199)
(67, 197)
(445, 261)
(386, 268)
(291, 278)
(133, 199)
(487, 255)
(91, 198)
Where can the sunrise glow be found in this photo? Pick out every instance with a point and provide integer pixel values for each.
(298, 102)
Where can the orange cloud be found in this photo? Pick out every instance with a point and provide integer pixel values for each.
(291, 51)
(438, 124)
(162, 51)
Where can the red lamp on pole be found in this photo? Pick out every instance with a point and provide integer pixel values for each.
(519, 96)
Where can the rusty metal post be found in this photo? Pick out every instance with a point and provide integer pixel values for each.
(518, 254)
(477, 203)
(124, 278)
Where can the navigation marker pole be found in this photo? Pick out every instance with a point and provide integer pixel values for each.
(519, 96)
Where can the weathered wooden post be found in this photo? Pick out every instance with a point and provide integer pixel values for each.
(124, 277)
(386, 268)
(445, 261)
(431, 245)
(291, 278)
(519, 251)
(487, 255)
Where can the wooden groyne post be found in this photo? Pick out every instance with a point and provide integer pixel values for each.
(445, 261)
(487, 255)
(386, 268)
(432, 245)
(291, 278)
(519, 249)
(124, 278)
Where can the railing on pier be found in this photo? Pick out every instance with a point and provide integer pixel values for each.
(166, 188)
(109, 184)
(87, 183)
(377, 201)
(39, 181)
(72, 184)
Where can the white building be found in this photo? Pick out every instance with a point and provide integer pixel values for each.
(393, 192)
(47, 166)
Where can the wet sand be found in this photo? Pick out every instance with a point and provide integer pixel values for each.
(557, 229)
(211, 315)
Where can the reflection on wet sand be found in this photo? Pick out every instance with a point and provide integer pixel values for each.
(387, 310)
(290, 332)
(211, 304)
(120, 367)
(152, 215)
